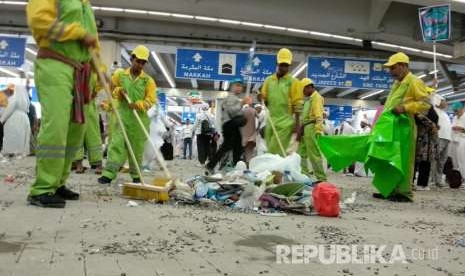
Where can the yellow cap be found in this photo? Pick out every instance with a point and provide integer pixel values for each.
(141, 52)
(305, 82)
(397, 58)
(284, 56)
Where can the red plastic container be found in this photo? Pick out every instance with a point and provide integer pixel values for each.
(326, 199)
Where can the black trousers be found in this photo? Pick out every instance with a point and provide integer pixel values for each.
(188, 144)
(232, 141)
(423, 168)
(203, 147)
(1, 136)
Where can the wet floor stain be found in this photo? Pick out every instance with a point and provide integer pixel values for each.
(7, 247)
(267, 242)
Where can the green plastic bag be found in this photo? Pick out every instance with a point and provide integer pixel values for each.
(387, 152)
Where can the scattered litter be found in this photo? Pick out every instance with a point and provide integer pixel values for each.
(9, 179)
(351, 199)
(132, 204)
(273, 214)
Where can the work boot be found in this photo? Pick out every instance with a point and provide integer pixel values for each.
(104, 180)
(66, 193)
(47, 201)
(136, 180)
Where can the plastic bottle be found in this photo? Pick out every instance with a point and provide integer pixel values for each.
(287, 178)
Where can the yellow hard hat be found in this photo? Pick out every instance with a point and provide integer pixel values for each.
(284, 56)
(397, 58)
(305, 82)
(141, 52)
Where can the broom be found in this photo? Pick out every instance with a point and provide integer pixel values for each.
(132, 190)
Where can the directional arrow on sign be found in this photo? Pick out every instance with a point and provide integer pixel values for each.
(197, 57)
(256, 61)
(325, 64)
(3, 45)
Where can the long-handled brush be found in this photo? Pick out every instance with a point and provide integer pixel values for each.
(275, 132)
(132, 190)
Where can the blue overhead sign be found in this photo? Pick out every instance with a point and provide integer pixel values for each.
(12, 51)
(338, 112)
(162, 100)
(188, 116)
(435, 23)
(348, 73)
(222, 65)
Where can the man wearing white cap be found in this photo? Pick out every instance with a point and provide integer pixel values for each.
(445, 136)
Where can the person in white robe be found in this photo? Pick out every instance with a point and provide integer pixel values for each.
(17, 130)
(457, 146)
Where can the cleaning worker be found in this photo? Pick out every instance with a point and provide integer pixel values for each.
(65, 34)
(92, 138)
(409, 95)
(141, 90)
(283, 97)
(311, 128)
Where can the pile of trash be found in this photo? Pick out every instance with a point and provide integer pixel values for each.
(272, 186)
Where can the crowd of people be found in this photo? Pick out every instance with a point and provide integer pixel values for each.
(287, 114)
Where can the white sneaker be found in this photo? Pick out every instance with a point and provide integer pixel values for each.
(421, 188)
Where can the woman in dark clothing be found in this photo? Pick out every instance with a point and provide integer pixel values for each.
(426, 148)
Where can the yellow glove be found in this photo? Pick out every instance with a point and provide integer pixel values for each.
(117, 93)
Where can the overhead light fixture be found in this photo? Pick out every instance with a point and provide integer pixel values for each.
(300, 69)
(135, 11)
(320, 34)
(250, 24)
(159, 13)
(389, 45)
(457, 95)
(298, 31)
(447, 94)
(422, 76)
(180, 15)
(18, 3)
(8, 72)
(32, 52)
(228, 21)
(273, 27)
(111, 9)
(206, 18)
(371, 94)
(163, 69)
(433, 72)
(444, 88)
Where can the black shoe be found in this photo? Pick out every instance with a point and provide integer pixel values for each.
(378, 195)
(136, 180)
(47, 201)
(66, 193)
(104, 180)
(399, 198)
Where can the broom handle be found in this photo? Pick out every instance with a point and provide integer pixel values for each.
(103, 81)
(275, 132)
(158, 155)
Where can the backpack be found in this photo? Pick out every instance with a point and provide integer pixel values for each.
(205, 128)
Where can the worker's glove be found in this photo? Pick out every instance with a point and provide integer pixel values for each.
(118, 93)
(106, 106)
(138, 105)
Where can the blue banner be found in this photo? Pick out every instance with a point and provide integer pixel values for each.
(162, 100)
(348, 73)
(435, 23)
(188, 116)
(221, 65)
(338, 112)
(12, 51)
